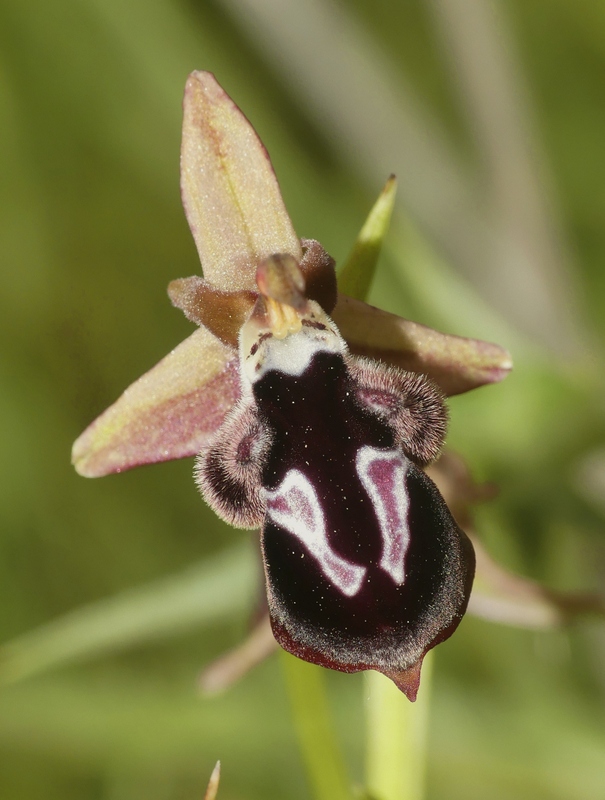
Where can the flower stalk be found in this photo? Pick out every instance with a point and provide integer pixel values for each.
(396, 737)
(314, 728)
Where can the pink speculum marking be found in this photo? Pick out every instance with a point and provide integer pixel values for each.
(335, 482)
(295, 507)
(382, 474)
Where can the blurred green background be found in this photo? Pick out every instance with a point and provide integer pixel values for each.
(493, 117)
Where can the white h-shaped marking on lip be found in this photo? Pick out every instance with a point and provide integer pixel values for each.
(382, 473)
(294, 506)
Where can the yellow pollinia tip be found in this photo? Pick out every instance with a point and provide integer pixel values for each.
(283, 319)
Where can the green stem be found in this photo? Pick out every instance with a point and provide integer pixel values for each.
(396, 737)
(316, 735)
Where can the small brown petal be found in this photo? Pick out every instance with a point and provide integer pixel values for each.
(223, 313)
(170, 412)
(318, 269)
(230, 193)
(455, 364)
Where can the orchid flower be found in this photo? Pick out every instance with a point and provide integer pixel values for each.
(312, 416)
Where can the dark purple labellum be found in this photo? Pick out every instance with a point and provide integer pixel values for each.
(365, 566)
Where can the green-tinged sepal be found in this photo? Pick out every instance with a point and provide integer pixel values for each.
(230, 192)
(454, 363)
(170, 412)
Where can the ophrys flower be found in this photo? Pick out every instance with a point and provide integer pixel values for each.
(365, 566)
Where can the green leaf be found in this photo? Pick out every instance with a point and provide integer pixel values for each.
(201, 595)
(355, 277)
